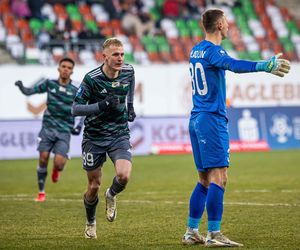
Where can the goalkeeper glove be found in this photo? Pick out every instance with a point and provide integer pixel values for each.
(110, 102)
(19, 84)
(76, 130)
(274, 65)
(131, 113)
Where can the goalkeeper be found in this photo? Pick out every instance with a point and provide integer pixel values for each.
(58, 123)
(208, 125)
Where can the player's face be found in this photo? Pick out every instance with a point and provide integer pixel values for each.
(114, 57)
(223, 27)
(65, 70)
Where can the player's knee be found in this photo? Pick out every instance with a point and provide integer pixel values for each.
(43, 162)
(94, 186)
(123, 179)
(224, 182)
(205, 182)
(59, 163)
(59, 166)
(224, 179)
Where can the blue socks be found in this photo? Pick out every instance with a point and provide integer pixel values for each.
(214, 207)
(213, 196)
(197, 205)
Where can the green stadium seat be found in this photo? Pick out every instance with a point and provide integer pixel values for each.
(255, 55)
(72, 9)
(180, 24)
(243, 55)
(151, 47)
(164, 48)
(184, 32)
(35, 25)
(48, 25)
(128, 57)
(92, 26)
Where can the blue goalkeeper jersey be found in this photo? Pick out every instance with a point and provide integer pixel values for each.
(208, 63)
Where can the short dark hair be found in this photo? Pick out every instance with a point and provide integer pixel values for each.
(210, 18)
(66, 59)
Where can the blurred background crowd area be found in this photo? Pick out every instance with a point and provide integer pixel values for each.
(153, 31)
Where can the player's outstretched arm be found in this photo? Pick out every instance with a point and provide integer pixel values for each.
(110, 102)
(24, 90)
(275, 65)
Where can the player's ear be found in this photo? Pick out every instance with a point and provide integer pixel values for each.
(103, 55)
(219, 25)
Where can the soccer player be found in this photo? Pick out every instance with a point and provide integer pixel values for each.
(58, 122)
(102, 98)
(208, 125)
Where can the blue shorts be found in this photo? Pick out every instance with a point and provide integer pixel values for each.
(210, 141)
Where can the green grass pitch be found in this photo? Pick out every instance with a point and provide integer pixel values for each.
(261, 208)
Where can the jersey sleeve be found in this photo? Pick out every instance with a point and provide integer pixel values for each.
(130, 95)
(84, 92)
(220, 59)
(41, 86)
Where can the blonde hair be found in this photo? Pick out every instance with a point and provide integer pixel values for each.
(112, 41)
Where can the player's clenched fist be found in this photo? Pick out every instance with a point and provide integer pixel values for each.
(110, 101)
(19, 83)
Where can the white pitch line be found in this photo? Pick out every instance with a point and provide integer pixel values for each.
(171, 193)
(253, 191)
(230, 203)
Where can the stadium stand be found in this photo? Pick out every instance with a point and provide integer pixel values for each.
(258, 29)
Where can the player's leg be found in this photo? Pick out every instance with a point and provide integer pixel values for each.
(90, 200)
(93, 158)
(214, 207)
(60, 149)
(121, 156)
(59, 163)
(45, 145)
(215, 197)
(42, 175)
(196, 209)
(123, 169)
(198, 196)
(216, 146)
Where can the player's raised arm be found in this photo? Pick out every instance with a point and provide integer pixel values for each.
(24, 90)
(39, 87)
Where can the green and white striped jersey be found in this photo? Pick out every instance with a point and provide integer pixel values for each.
(104, 127)
(60, 98)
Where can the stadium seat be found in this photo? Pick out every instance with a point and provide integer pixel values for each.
(35, 25)
(252, 22)
(98, 56)
(58, 53)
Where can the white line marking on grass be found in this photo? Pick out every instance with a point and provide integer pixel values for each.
(290, 191)
(266, 191)
(170, 193)
(24, 197)
(263, 204)
(253, 191)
